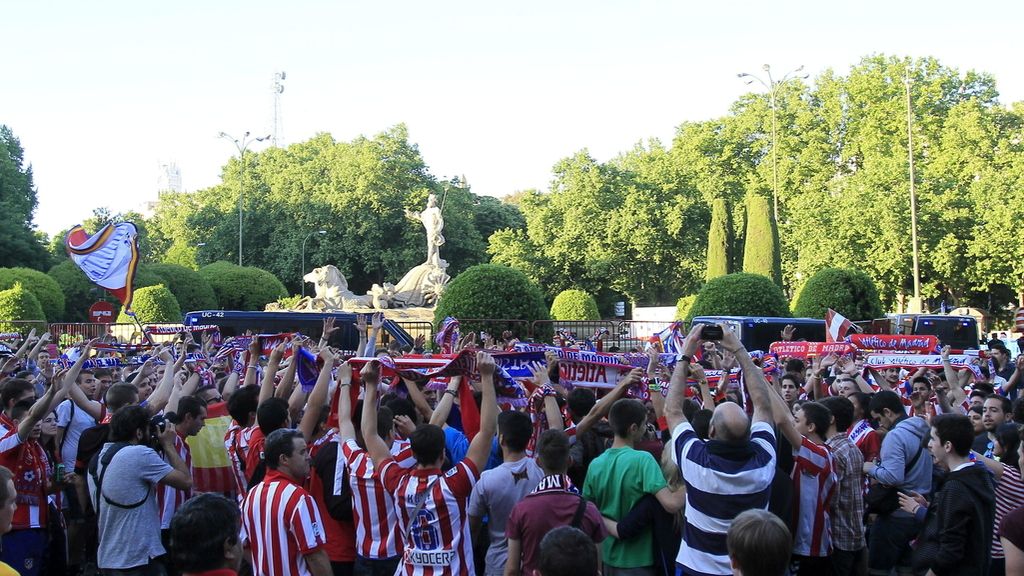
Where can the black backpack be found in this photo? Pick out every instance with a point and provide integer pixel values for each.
(98, 480)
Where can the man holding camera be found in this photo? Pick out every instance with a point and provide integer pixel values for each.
(123, 480)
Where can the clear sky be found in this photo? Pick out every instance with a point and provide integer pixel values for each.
(100, 92)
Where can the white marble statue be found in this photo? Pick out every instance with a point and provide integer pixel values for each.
(433, 222)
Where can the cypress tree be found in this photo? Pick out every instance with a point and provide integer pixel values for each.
(718, 240)
(761, 248)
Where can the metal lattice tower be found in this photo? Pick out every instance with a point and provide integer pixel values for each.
(277, 134)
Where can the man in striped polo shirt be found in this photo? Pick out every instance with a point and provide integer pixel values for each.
(431, 505)
(280, 520)
(729, 473)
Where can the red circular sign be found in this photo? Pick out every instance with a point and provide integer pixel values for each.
(101, 313)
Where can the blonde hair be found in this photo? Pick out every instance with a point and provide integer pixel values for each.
(5, 475)
(670, 469)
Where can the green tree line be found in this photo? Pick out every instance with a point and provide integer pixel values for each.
(636, 227)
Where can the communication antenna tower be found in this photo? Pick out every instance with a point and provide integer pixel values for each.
(277, 88)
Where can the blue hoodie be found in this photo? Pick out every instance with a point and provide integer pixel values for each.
(898, 448)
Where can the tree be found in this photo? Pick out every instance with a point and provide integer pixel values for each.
(17, 204)
(852, 293)
(491, 291)
(242, 287)
(17, 303)
(740, 294)
(43, 287)
(760, 249)
(574, 305)
(79, 291)
(683, 307)
(153, 304)
(718, 240)
(190, 289)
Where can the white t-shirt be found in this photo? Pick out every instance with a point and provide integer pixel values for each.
(74, 421)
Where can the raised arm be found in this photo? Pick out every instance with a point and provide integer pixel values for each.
(757, 386)
(444, 404)
(346, 430)
(39, 410)
(375, 445)
(657, 399)
(318, 396)
(480, 447)
(158, 399)
(43, 340)
(267, 385)
(601, 408)
(674, 415)
(419, 400)
(288, 380)
(361, 328)
(784, 419)
(230, 385)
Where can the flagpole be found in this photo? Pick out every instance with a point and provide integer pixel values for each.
(144, 331)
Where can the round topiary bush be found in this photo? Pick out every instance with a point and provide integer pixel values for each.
(574, 305)
(493, 291)
(852, 293)
(190, 289)
(43, 287)
(79, 291)
(740, 294)
(683, 306)
(153, 304)
(242, 287)
(17, 303)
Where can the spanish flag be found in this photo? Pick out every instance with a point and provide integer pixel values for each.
(211, 468)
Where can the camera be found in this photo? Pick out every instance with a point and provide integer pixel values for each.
(711, 332)
(157, 425)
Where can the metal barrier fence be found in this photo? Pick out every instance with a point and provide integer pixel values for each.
(621, 335)
(617, 335)
(417, 329)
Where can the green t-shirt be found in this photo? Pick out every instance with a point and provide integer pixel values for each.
(616, 480)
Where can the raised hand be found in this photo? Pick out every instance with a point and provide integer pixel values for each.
(485, 363)
(361, 323)
(787, 332)
(377, 321)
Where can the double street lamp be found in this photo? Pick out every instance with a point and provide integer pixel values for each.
(302, 272)
(242, 145)
(773, 86)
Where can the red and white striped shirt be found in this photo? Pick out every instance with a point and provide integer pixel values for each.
(432, 517)
(169, 498)
(236, 441)
(814, 485)
(1009, 497)
(373, 507)
(280, 524)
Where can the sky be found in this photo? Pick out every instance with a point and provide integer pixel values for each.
(100, 93)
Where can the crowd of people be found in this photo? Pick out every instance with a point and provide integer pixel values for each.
(798, 466)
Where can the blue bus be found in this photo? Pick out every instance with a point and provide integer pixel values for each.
(758, 332)
(235, 323)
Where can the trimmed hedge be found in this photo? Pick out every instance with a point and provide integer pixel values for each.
(683, 306)
(740, 294)
(493, 291)
(242, 287)
(761, 245)
(79, 291)
(153, 304)
(718, 240)
(190, 289)
(852, 293)
(18, 303)
(43, 287)
(574, 305)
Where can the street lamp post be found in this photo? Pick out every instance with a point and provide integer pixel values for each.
(773, 88)
(242, 145)
(916, 305)
(302, 272)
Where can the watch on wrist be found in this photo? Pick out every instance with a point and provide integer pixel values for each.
(684, 358)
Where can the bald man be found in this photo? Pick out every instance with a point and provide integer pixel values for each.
(737, 461)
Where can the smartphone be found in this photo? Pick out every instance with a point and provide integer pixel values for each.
(711, 332)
